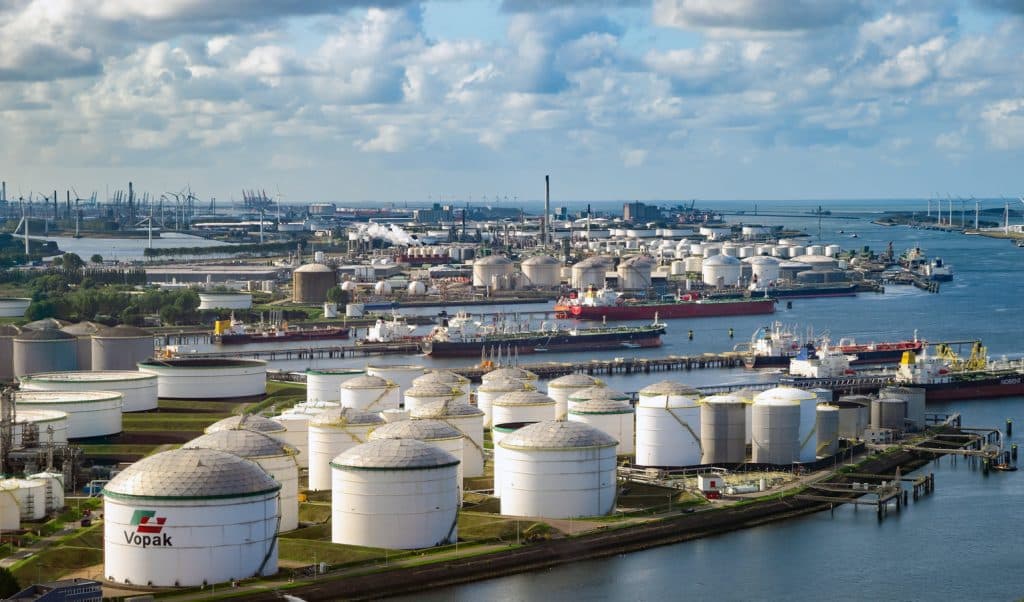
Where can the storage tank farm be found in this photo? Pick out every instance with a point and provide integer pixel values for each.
(522, 406)
(446, 377)
(723, 427)
(426, 392)
(614, 417)
(333, 432)
(190, 517)
(394, 493)
(89, 413)
(562, 387)
(492, 389)
(325, 384)
(139, 389)
(557, 469)
(435, 432)
(121, 348)
(208, 378)
(469, 421)
(273, 455)
(776, 426)
(668, 425)
(369, 393)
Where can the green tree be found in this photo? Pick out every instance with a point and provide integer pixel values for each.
(96, 258)
(73, 262)
(58, 261)
(337, 295)
(38, 310)
(8, 583)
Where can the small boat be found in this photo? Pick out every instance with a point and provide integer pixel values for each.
(1003, 467)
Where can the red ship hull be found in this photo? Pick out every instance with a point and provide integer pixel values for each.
(682, 309)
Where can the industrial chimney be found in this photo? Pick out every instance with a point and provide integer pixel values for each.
(544, 224)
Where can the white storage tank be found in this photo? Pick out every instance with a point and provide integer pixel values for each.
(252, 422)
(509, 372)
(273, 455)
(488, 269)
(29, 495)
(46, 423)
(694, 265)
(446, 377)
(121, 348)
(522, 406)
(723, 428)
(14, 307)
(635, 272)
(808, 401)
(435, 432)
(721, 270)
(833, 250)
(558, 469)
(469, 421)
(600, 392)
(355, 310)
(611, 416)
(400, 374)
(331, 433)
(764, 270)
(854, 415)
(139, 389)
(888, 413)
(426, 392)
(10, 511)
(192, 378)
(395, 494)
(562, 387)
(369, 393)
(90, 413)
(324, 384)
(416, 288)
(915, 399)
(677, 268)
(668, 425)
(234, 300)
(493, 389)
(47, 350)
(542, 271)
(296, 433)
(827, 430)
(53, 489)
(590, 272)
(7, 334)
(382, 288)
(190, 517)
(776, 429)
(83, 332)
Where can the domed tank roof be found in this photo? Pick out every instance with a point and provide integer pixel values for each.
(575, 379)
(555, 434)
(812, 259)
(510, 372)
(541, 260)
(191, 474)
(783, 396)
(431, 390)
(367, 382)
(725, 398)
(394, 454)
(602, 406)
(445, 377)
(46, 324)
(331, 371)
(523, 398)
(313, 267)
(47, 334)
(444, 408)
(639, 260)
(345, 417)
(244, 443)
(123, 331)
(762, 260)
(9, 330)
(253, 422)
(83, 329)
(721, 260)
(504, 385)
(668, 387)
(493, 260)
(598, 393)
(593, 262)
(424, 430)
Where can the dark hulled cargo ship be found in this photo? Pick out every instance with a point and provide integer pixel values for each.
(608, 304)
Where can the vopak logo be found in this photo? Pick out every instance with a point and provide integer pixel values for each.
(148, 530)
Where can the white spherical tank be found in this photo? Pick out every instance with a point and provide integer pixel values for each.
(590, 272)
(190, 517)
(827, 431)
(562, 387)
(369, 393)
(296, 433)
(435, 432)
(184, 378)
(325, 384)
(668, 425)
(252, 422)
(273, 455)
(543, 271)
(121, 348)
(446, 377)
(224, 301)
(90, 413)
(426, 392)
(522, 406)
(776, 430)
(29, 496)
(558, 469)
(383, 287)
(611, 416)
(330, 434)
(469, 421)
(46, 424)
(396, 494)
(48, 350)
(493, 389)
(487, 269)
(723, 428)
(400, 374)
(416, 288)
(720, 270)
(139, 389)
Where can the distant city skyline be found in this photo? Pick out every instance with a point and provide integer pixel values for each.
(395, 101)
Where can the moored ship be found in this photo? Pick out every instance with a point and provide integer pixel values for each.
(977, 379)
(608, 304)
(776, 345)
(229, 332)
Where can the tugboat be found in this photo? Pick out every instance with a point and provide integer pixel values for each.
(608, 304)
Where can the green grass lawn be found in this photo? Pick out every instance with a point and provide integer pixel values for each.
(304, 550)
(55, 562)
(314, 513)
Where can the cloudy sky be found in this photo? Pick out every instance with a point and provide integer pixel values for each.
(396, 101)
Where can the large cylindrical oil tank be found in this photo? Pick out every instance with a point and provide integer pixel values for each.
(394, 493)
(854, 415)
(635, 272)
(776, 430)
(827, 430)
(764, 270)
(311, 282)
(48, 350)
(469, 421)
(252, 422)
(487, 270)
(617, 418)
(435, 432)
(190, 517)
(234, 300)
(121, 348)
(492, 389)
(83, 333)
(542, 271)
(369, 393)
(562, 387)
(720, 270)
(331, 433)
(590, 272)
(90, 413)
(195, 378)
(668, 425)
(723, 420)
(808, 402)
(324, 384)
(139, 389)
(557, 469)
(54, 488)
(296, 434)
(10, 511)
(400, 374)
(600, 392)
(522, 406)
(14, 307)
(694, 264)
(426, 392)
(29, 496)
(7, 334)
(915, 398)
(446, 377)
(45, 425)
(499, 432)
(888, 413)
(274, 456)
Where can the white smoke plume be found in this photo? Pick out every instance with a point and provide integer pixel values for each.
(392, 233)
